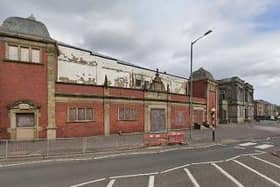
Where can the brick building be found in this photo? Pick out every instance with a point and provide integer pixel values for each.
(52, 90)
(236, 100)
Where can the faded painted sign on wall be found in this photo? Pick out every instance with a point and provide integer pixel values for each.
(83, 67)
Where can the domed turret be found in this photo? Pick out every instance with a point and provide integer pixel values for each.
(202, 74)
(25, 27)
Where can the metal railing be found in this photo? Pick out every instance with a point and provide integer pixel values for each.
(68, 146)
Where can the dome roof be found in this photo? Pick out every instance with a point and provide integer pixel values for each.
(202, 74)
(25, 27)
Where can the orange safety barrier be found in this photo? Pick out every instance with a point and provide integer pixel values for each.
(157, 139)
(176, 137)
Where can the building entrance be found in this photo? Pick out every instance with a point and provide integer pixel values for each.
(157, 119)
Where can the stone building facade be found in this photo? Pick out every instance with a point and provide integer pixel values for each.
(54, 90)
(236, 100)
(265, 110)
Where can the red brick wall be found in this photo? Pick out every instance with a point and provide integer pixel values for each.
(212, 100)
(78, 89)
(174, 110)
(126, 92)
(79, 129)
(182, 98)
(199, 100)
(21, 81)
(198, 116)
(126, 126)
(212, 103)
(199, 88)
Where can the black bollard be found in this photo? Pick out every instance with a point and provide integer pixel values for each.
(213, 134)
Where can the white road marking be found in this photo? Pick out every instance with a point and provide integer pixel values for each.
(194, 181)
(264, 146)
(136, 175)
(228, 175)
(111, 183)
(239, 147)
(89, 182)
(207, 162)
(151, 181)
(247, 144)
(248, 154)
(267, 162)
(258, 173)
(258, 152)
(172, 169)
(232, 158)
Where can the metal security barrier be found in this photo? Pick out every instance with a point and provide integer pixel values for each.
(165, 138)
(68, 146)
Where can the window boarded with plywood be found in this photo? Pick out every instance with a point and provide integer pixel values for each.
(157, 119)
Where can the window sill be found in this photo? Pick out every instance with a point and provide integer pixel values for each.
(128, 120)
(22, 62)
(82, 121)
(33, 127)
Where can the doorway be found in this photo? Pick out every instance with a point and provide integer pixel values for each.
(157, 119)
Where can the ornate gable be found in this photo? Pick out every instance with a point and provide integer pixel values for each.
(157, 84)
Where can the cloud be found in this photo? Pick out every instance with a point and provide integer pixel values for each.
(157, 34)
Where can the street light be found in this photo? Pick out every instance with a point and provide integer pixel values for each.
(191, 82)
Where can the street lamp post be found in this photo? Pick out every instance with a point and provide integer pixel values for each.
(191, 82)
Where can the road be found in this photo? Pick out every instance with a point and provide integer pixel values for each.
(240, 164)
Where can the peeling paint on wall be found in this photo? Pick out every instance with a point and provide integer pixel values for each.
(78, 66)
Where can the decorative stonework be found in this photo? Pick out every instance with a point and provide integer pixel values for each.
(52, 63)
(29, 112)
(157, 84)
(202, 74)
(23, 105)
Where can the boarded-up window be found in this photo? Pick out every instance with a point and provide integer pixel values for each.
(25, 120)
(138, 82)
(127, 113)
(24, 54)
(157, 117)
(180, 118)
(36, 55)
(80, 114)
(13, 53)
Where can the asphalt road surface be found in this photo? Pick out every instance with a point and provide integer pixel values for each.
(242, 164)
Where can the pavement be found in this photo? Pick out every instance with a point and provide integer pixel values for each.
(225, 134)
(245, 161)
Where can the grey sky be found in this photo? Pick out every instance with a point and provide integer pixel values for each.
(157, 34)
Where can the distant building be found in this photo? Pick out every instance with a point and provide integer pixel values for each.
(235, 100)
(265, 110)
(277, 108)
